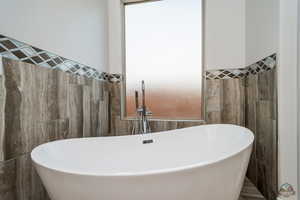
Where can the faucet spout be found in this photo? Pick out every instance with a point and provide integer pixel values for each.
(143, 112)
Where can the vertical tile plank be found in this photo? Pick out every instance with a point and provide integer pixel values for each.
(233, 102)
(214, 101)
(75, 111)
(46, 131)
(264, 81)
(157, 126)
(63, 93)
(19, 181)
(28, 184)
(12, 110)
(104, 115)
(32, 96)
(264, 146)
(46, 81)
(2, 116)
(87, 129)
(274, 162)
(8, 180)
(97, 90)
(95, 105)
(251, 98)
(250, 110)
(190, 124)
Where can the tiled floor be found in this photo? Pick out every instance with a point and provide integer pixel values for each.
(250, 192)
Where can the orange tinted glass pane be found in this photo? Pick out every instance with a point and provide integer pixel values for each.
(164, 48)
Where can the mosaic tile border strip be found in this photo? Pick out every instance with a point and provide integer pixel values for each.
(263, 65)
(16, 50)
(114, 78)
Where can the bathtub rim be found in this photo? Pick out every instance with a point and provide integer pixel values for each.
(149, 172)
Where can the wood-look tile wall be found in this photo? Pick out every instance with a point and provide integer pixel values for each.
(39, 105)
(249, 102)
(2, 114)
(261, 118)
(225, 103)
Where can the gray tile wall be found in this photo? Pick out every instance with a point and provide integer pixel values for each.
(38, 105)
(225, 103)
(261, 118)
(43, 105)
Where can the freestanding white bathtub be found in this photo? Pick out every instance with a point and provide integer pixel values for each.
(199, 163)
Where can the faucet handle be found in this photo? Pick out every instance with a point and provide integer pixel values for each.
(149, 113)
(139, 110)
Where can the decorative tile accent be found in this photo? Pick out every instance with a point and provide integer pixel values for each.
(226, 73)
(114, 78)
(261, 66)
(13, 49)
(17, 50)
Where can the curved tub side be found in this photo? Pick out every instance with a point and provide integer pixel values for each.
(186, 145)
(221, 180)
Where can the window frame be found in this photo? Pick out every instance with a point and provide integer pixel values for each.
(123, 111)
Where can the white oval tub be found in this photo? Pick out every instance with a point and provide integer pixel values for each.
(199, 163)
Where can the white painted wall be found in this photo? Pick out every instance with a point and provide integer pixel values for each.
(240, 32)
(237, 33)
(262, 23)
(287, 94)
(115, 36)
(75, 29)
(224, 34)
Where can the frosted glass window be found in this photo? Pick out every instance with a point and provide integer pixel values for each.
(163, 46)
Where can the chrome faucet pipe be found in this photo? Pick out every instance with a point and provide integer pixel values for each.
(143, 126)
(143, 95)
(144, 109)
(137, 100)
(137, 127)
